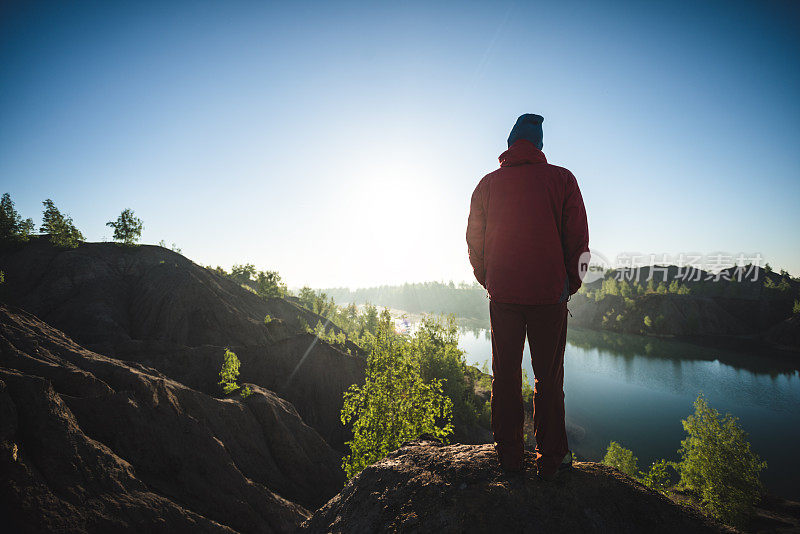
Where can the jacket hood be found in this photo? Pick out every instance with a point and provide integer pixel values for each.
(521, 152)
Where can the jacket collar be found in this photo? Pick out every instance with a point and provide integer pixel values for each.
(522, 151)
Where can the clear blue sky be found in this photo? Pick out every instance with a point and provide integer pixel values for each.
(340, 144)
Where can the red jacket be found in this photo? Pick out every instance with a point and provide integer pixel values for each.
(527, 229)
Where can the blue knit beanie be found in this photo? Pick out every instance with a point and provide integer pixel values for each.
(528, 126)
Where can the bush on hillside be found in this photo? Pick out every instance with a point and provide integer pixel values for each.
(229, 373)
(622, 459)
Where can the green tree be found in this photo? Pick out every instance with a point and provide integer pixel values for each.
(12, 226)
(60, 228)
(796, 307)
(435, 344)
(394, 405)
(269, 284)
(243, 274)
(610, 286)
(718, 465)
(371, 319)
(229, 373)
(625, 289)
(674, 286)
(127, 227)
(622, 459)
(527, 389)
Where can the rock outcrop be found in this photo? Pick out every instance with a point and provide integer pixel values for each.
(102, 294)
(89, 443)
(427, 487)
(151, 305)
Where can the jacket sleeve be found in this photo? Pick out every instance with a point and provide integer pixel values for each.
(476, 232)
(574, 233)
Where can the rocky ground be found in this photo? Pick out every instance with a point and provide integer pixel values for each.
(427, 487)
(91, 444)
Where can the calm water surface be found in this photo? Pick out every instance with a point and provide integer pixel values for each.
(636, 390)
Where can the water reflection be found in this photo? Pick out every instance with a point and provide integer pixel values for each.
(635, 390)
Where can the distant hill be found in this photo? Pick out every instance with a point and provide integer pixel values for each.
(755, 304)
(706, 305)
(467, 301)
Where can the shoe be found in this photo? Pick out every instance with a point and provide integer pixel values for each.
(566, 463)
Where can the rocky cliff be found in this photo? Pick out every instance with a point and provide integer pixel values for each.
(112, 417)
(151, 305)
(90, 443)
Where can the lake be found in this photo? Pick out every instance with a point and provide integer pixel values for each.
(635, 390)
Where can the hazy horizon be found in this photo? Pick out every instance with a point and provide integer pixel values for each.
(339, 145)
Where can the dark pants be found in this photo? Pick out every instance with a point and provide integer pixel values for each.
(546, 327)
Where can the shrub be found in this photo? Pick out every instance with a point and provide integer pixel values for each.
(62, 231)
(622, 459)
(718, 465)
(127, 228)
(12, 226)
(174, 248)
(229, 373)
(658, 476)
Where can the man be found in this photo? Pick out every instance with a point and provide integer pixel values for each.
(527, 233)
